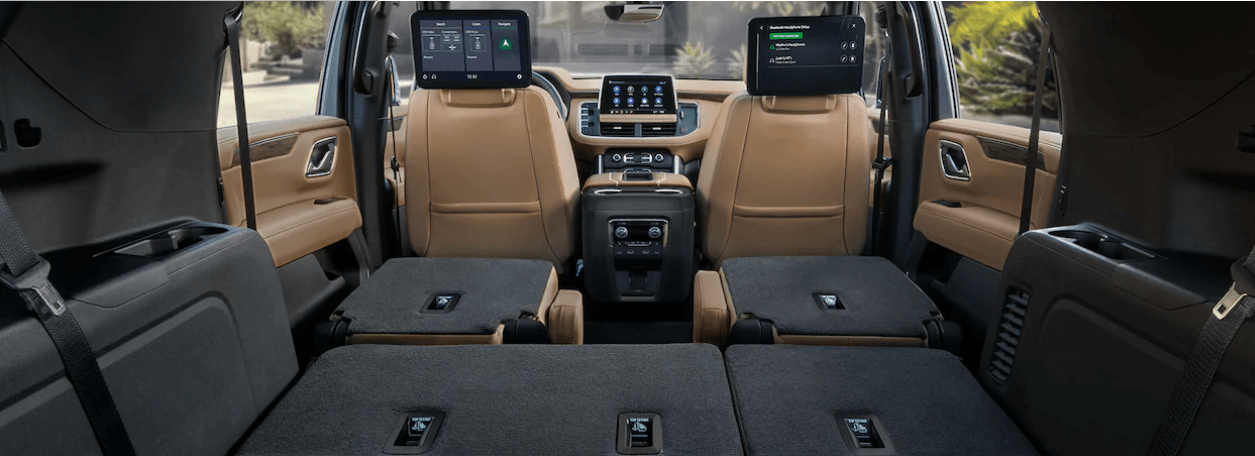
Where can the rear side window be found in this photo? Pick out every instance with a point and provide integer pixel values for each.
(996, 49)
(282, 46)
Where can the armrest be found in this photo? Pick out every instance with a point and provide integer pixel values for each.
(566, 318)
(712, 315)
(615, 179)
(299, 229)
(976, 232)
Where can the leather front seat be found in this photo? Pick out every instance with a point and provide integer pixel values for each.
(785, 176)
(491, 174)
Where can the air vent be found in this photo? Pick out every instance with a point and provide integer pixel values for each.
(603, 49)
(658, 130)
(664, 49)
(1014, 308)
(618, 129)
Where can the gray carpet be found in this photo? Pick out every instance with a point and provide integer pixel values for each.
(879, 299)
(788, 399)
(504, 400)
(494, 291)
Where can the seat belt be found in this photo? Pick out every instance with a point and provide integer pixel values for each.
(27, 273)
(1034, 135)
(1222, 325)
(881, 163)
(232, 25)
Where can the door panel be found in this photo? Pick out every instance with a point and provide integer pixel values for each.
(975, 210)
(300, 209)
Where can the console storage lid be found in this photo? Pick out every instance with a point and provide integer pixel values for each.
(637, 179)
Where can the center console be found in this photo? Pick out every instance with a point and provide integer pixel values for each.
(638, 236)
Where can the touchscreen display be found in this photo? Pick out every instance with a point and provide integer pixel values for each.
(471, 49)
(805, 55)
(636, 94)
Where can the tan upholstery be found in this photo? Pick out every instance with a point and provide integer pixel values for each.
(490, 173)
(615, 179)
(712, 316)
(984, 228)
(289, 216)
(566, 318)
(785, 176)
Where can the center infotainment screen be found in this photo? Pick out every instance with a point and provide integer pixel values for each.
(637, 94)
(471, 49)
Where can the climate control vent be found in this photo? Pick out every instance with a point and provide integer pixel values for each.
(618, 129)
(1007, 341)
(657, 129)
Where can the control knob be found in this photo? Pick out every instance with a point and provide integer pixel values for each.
(658, 158)
(616, 158)
(621, 232)
(655, 232)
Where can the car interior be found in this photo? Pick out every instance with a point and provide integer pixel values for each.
(626, 228)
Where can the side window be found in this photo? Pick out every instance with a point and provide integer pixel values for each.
(282, 46)
(404, 53)
(873, 51)
(997, 47)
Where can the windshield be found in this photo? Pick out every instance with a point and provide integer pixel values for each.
(698, 40)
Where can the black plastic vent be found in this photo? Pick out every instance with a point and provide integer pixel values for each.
(603, 49)
(657, 129)
(1014, 308)
(618, 129)
(664, 49)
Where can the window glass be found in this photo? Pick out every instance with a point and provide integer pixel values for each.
(703, 40)
(282, 47)
(997, 47)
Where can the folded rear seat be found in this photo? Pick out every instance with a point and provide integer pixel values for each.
(799, 400)
(505, 399)
(808, 300)
(444, 301)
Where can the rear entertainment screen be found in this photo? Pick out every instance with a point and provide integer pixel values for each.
(637, 94)
(471, 49)
(805, 55)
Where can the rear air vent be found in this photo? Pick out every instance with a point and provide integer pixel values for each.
(1014, 308)
(618, 129)
(603, 49)
(657, 129)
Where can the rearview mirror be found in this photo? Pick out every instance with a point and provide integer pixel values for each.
(637, 13)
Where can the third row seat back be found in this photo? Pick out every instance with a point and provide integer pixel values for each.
(788, 163)
(491, 172)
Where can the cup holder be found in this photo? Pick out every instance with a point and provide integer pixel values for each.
(166, 243)
(1102, 244)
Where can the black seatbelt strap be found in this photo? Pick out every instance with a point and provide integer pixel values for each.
(882, 162)
(1034, 135)
(232, 25)
(27, 273)
(396, 165)
(1200, 368)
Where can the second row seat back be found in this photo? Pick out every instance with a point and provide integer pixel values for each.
(785, 175)
(491, 174)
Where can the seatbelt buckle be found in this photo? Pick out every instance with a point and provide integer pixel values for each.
(34, 287)
(1227, 303)
(882, 163)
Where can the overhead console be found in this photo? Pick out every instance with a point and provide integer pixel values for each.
(471, 49)
(816, 55)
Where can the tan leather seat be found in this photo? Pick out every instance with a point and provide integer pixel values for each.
(785, 175)
(490, 174)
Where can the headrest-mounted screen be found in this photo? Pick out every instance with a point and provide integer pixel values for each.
(471, 49)
(816, 55)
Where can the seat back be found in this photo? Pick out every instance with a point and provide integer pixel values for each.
(785, 175)
(491, 175)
